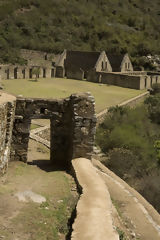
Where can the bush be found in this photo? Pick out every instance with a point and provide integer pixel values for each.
(156, 88)
(130, 138)
(150, 188)
(153, 108)
(54, 25)
(128, 134)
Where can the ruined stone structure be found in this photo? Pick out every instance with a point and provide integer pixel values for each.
(34, 59)
(98, 67)
(72, 121)
(25, 72)
(7, 110)
(39, 58)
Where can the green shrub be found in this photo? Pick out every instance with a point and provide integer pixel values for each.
(77, 25)
(156, 88)
(126, 136)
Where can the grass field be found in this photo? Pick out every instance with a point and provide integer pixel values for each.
(105, 95)
(29, 220)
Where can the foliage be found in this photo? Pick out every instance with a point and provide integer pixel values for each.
(115, 26)
(121, 234)
(141, 63)
(131, 140)
(157, 147)
(128, 137)
(153, 107)
(155, 88)
(150, 188)
(36, 72)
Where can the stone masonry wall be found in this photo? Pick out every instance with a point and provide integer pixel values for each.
(73, 123)
(84, 125)
(7, 110)
(25, 72)
(74, 73)
(124, 80)
(120, 80)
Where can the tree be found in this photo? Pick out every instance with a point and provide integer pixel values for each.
(153, 107)
(36, 72)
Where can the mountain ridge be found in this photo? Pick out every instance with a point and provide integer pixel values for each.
(115, 26)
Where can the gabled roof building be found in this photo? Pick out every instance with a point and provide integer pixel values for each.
(120, 63)
(77, 63)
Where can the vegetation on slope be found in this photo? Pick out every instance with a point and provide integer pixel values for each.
(52, 25)
(131, 140)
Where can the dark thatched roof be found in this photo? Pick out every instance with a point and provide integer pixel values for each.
(115, 61)
(81, 60)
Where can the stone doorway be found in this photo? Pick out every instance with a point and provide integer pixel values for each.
(44, 73)
(72, 127)
(30, 73)
(24, 73)
(7, 73)
(52, 73)
(15, 72)
(39, 144)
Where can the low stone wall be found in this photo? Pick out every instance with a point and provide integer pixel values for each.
(25, 72)
(136, 211)
(127, 80)
(120, 80)
(94, 209)
(7, 110)
(134, 73)
(131, 103)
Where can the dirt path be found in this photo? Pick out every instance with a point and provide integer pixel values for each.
(140, 218)
(30, 220)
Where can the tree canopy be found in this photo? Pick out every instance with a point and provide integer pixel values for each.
(53, 25)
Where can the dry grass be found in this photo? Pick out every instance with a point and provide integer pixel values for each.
(29, 220)
(105, 95)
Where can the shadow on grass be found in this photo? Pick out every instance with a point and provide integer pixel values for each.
(70, 224)
(33, 80)
(46, 165)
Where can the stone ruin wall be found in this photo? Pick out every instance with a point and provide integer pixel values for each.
(35, 59)
(7, 110)
(124, 80)
(25, 72)
(73, 126)
(39, 58)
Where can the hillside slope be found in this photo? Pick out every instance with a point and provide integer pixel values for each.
(52, 25)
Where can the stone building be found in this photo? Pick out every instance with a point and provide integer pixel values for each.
(25, 71)
(93, 66)
(78, 64)
(120, 63)
(45, 62)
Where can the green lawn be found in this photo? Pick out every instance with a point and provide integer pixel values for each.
(105, 95)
